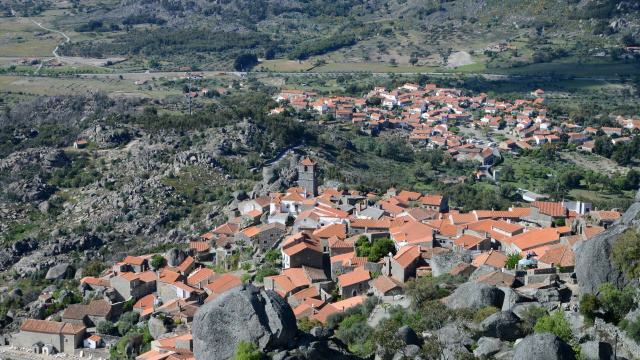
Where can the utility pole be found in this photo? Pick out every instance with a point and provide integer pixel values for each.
(189, 76)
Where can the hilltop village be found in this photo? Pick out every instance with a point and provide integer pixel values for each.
(443, 118)
(331, 250)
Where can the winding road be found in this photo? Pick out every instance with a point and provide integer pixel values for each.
(67, 39)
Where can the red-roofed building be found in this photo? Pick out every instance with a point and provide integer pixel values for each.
(385, 285)
(354, 283)
(402, 266)
(301, 249)
(49, 337)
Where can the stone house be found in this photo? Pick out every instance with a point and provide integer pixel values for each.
(269, 235)
(403, 265)
(546, 212)
(88, 315)
(354, 283)
(129, 285)
(49, 337)
(249, 235)
(301, 249)
(177, 290)
(385, 285)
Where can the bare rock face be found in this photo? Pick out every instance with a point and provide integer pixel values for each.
(58, 272)
(269, 175)
(592, 257)
(30, 190)
(444, 261)
(242, 313)
(543, 346)
(503, 325)
(175, 257)
(476, 296)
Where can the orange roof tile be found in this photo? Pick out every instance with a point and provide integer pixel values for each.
(297, 276)
(199, 275)
(306, 293)
(492, 258)
(550, 208)
(561, 255)
(199, 246)
(592, 231)
(385, 283)
(354, 277)
(251, 231)
(406, 255)
(339, 230)
(307, 161)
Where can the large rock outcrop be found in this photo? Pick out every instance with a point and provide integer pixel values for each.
(592, 257)
(444, 261)
(543, 346)
(503, 325)
(476, 296)
(242, 313)
(60, 271)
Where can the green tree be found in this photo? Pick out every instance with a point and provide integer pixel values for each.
(247, 351)
(265, 271)
(530, 317)
(555, 324)
(94, 270)
(153, 63)
(625, 253)
(157, 261)
(381, 247)
(589, 306)
(512, 261)
(105, 327)
(374, 101)
(272, 256)
(616, 302)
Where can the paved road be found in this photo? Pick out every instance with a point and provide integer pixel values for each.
(55, 51)
(243, 74)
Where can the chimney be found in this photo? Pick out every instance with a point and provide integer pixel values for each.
(349, 262)
(419, 248)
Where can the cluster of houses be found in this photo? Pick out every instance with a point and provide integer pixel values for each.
(316, 232)
(500, 47)
(428, 113)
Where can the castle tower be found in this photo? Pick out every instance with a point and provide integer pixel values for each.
(308, 176)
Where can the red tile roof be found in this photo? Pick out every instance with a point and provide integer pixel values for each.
(50, 327)
(385, 283)
(550, 208)
(353, 277)
(406, 255)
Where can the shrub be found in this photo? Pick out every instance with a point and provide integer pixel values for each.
(625, 253)
(633, 330)
(264, 272)
(247, 351)
(105, 327)
(130, 316)
(94, 270)
(157, 261)
(512, 261)
(530, 317)
(124, 328)
(306, 325)
(614, 302)
(555, 324)
(588, 307)
(482, 314)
